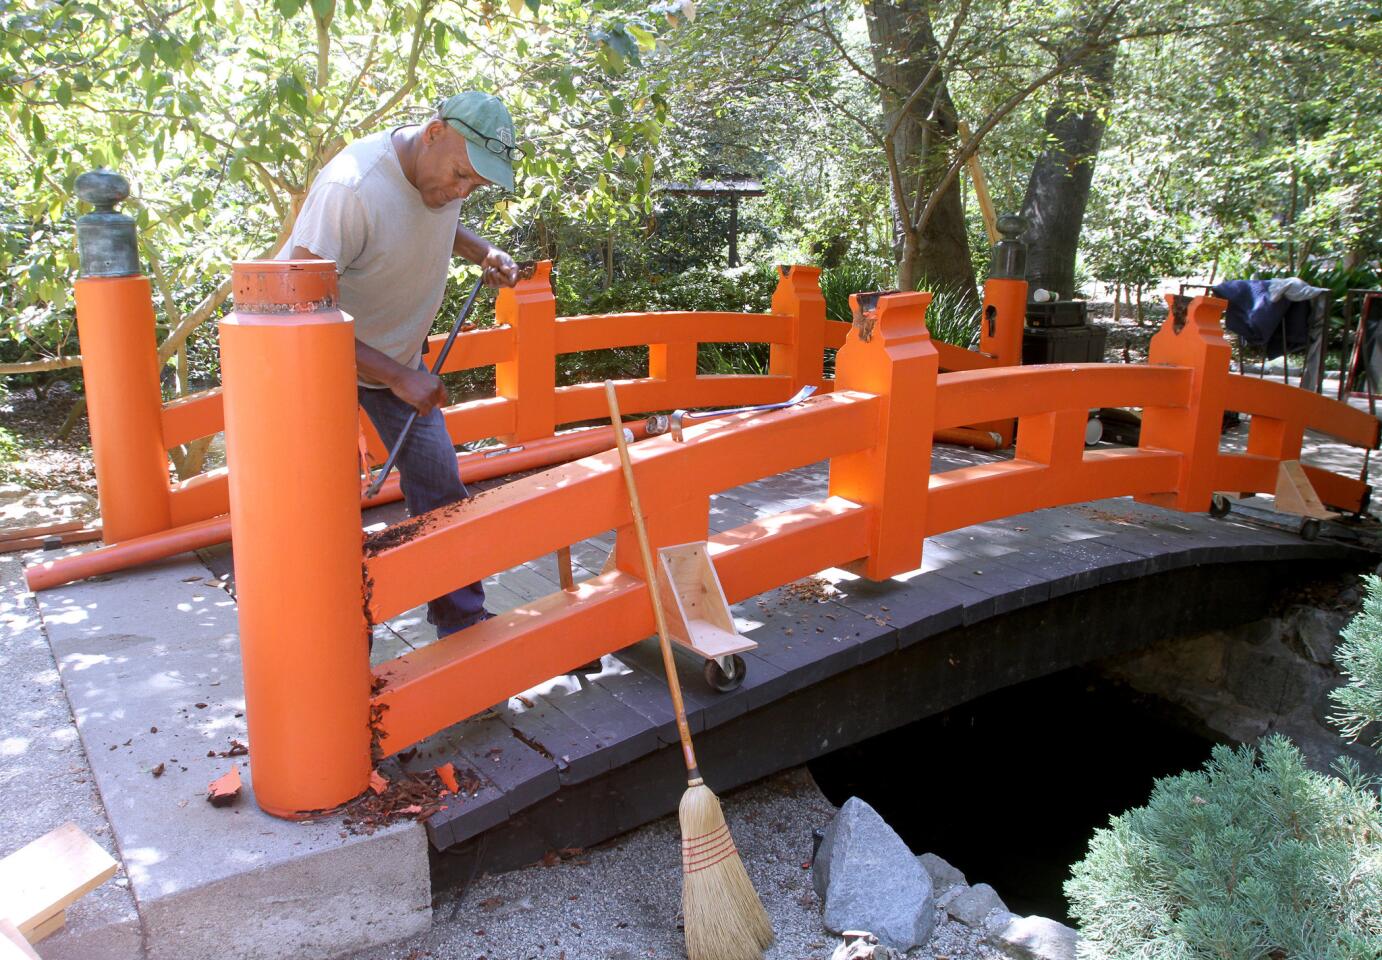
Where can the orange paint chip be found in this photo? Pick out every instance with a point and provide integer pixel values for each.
(447, 772)
(222, 791)
(378, 782)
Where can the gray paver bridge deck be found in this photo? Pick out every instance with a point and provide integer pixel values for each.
(583, 756)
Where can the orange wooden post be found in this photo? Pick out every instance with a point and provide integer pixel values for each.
(115, 321)
(798, 295)
(530, 378)
(1193, 337)
(1004, 313)
(889, 353)
(674, 362)
(1001, 323)
(288, 366)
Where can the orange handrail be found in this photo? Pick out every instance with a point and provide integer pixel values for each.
(875, 427)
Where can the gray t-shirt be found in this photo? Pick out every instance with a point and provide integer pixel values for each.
(392, 252)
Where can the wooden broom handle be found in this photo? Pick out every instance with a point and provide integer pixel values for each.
(650, 576)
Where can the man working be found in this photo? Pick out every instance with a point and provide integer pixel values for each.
(387, 209)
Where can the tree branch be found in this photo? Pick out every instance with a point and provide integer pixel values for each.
(931, 74)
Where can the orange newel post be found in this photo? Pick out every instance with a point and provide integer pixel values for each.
(530, 378)
(1003, 316)
(798, 295)
(1193, 337)
(115, 321)
(288, 366)
(889, 353)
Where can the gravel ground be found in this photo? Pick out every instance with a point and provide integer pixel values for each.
(620, 900)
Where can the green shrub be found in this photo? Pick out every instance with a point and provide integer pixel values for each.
(953, 315)
(1254, 857)
(1359, 657)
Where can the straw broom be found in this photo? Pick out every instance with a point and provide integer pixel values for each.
(724, 918)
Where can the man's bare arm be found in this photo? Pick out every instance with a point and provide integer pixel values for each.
(417, 388)
(499, 268)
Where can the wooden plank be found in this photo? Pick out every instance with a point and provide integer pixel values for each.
(45, 530)
(50, 873)
(49, 926)
(981, 186)
(63, 539)
(13, 946)
(700, 619)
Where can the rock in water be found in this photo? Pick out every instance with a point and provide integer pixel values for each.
(869, 880)
(1035, 938)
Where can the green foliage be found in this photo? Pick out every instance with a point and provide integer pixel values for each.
(221, 113)
(952, 317)
(1132, 244)
(1359, 656)
(1251, 858)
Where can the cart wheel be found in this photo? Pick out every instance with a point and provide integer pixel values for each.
(1220, 505)
(1309, 528)
(723, 681)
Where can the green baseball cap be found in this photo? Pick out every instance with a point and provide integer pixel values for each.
(485, 123)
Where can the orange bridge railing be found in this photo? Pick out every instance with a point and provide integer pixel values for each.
(146, 517)
(309, 589)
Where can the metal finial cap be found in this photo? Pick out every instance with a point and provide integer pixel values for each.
(1009, 260)
(103, 189)
(106, 239)
(1012, 225)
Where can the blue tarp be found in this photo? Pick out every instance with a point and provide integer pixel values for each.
(1260, 321)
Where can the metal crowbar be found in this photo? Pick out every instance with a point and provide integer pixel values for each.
(681, 418)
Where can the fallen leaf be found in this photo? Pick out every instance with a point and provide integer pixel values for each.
(378, 782)
(157, 771)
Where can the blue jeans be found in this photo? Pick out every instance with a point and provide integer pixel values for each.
(427, 473)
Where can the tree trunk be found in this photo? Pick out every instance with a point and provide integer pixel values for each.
(904, 49)
(1058, 190)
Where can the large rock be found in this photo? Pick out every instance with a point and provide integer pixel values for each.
(1035, 938)
(943, 875)
(869, 880)
(1315, 632)
(975, 904)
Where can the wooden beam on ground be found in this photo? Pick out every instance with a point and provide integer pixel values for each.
(1295, 494)
(32, 539)
(981, 187)
(40, 880)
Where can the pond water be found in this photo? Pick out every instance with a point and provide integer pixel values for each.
(1010, 787)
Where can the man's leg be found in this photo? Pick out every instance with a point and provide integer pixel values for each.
(427, 473)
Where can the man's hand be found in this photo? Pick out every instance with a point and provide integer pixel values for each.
(498, 269)
(421, 390)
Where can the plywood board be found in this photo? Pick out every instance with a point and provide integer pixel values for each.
(44, 877)
(698, 614)
(1295, 494)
